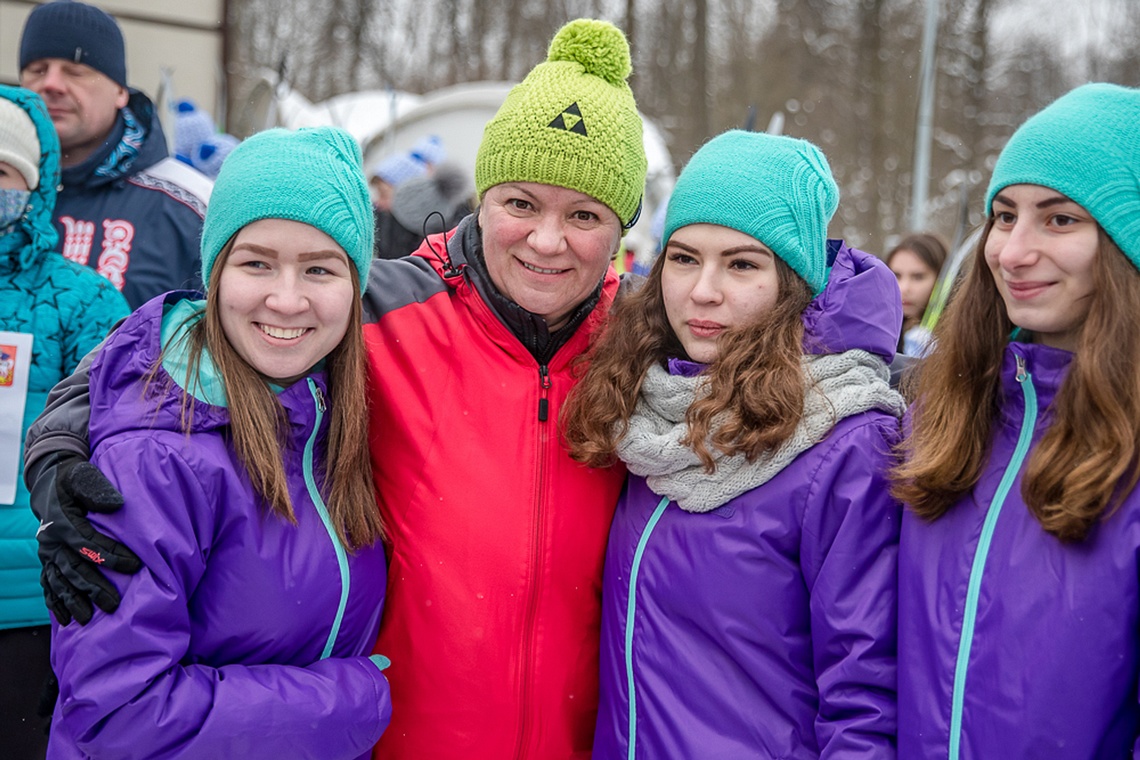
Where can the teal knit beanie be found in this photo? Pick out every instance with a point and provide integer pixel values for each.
(1086, 146)
(776, 189)
(314, 176)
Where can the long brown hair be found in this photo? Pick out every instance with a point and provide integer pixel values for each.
(755, 386)
(258, 425)
(1086, 462)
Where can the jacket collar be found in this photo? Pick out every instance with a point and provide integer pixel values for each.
(147, 149)
(1047, 368)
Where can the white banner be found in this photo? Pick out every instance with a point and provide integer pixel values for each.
(15, 367)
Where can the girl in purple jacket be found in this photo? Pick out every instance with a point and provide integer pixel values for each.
(1019, 579)
(749, 586)
(233, 428)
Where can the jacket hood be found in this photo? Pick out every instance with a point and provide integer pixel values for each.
(150, 149)
(35, 234)
(859, 309)
(126, 393)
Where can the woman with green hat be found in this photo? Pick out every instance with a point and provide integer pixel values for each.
(247, 631)
(497, 535)
(1019, 570)
(748, 600)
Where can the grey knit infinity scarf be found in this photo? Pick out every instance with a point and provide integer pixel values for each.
(836, 386)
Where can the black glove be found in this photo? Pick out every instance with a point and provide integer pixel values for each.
(65, 488)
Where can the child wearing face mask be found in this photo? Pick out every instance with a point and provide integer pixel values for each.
(748, 598)
(62, 310)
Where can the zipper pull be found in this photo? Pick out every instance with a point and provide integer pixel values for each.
(321, 406)
(543, 402)
(1022, 375)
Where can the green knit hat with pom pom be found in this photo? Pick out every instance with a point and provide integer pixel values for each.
(572, 123)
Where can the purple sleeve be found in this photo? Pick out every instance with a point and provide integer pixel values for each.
(124, 690)
(849, 558)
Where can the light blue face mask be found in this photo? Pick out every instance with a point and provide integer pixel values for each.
(13, 204)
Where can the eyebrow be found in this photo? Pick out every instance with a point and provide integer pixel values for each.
(1055, 200)
(726, 252)
(323, 254)
(307, 256)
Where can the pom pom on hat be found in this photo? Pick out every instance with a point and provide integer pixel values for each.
(572, 123)
(429, 150)
(313, 176)
(209, 155)
(19, 145)
(776, 189)
(1086, 146)
(75, 32)
(599, 47)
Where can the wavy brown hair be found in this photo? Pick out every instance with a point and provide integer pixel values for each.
(1086, 462)
(755, 387)
(259, 427)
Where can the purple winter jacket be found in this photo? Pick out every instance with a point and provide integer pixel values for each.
(766, 628)
(1013, 645)
(243, 635)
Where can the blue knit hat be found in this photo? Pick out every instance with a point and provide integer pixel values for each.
(192, 127)
(209, 155)
(1086, 146)
(429, 150)
(398, 168)
(75, 32)
(776, 189)
(313, 176)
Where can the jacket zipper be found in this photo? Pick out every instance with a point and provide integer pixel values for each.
(322, 510)
(525, 661)
(631, 605)
(973, 589)
(544, 388)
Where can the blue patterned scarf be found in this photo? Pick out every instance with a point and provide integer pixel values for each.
(119, 160)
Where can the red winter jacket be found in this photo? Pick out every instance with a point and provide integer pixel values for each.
(498, 538)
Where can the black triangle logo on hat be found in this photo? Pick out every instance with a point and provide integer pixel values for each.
(570, 120)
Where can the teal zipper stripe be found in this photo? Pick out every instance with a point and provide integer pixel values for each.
(973, 590)
(629, 620)
(322, 510)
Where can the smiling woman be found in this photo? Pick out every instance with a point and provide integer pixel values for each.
(546, 248)
(220, 420)
(1019, 569)
(286, 293)
(1041, 250)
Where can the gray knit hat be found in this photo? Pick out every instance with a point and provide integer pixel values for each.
(445, 194)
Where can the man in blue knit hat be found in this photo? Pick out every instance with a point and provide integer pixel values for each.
(126, 209)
